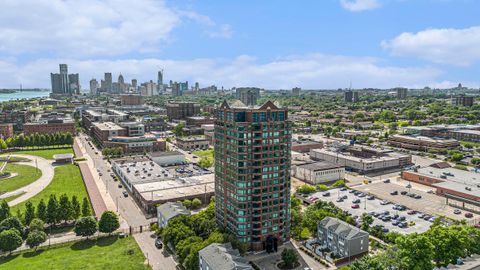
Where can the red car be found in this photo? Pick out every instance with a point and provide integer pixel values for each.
(355, 206)
(412, 212)
(468, 215)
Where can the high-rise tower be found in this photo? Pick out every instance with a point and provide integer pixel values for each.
(252, 173)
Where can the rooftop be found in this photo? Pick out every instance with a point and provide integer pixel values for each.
(451, 175)
(319, 166)
(172, 209)
(224, 257)
(342, 228)
(105, 126)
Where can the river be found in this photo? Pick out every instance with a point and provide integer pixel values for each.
(23, 94)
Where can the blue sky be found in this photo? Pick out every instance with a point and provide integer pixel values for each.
(271, 44)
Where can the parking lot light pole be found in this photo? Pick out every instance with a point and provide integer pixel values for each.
(365, 205)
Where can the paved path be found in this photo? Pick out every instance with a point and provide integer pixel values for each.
(159, 259)
(36, 187)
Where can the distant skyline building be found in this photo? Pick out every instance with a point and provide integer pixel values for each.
(402, 92)
(160, 80)
(351, 96)
(93, 87)
(134, 84)
(64, 83)
(108, 82)
(296, 91)
(252, 173)
(248, 95)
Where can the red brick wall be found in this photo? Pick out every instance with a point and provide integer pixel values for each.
(418, 178)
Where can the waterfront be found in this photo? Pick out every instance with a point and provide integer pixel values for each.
(23, 94)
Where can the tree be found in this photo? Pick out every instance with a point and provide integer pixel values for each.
(305, 234)
(75, 208)
(289, 257)
(85, 226)
(178, 130)
(12, 223)
(196, 203)
(3, 144)
(35, 238)
(108, 222)
(29, 212)
(64, 208)
(367, 220)
(205, 163)
(36, 225)
(187, 204)
(10, 240)
(415, 251)
(42, 210)
(52, 208)
(4, 210)
(306, 189)
(86, 208)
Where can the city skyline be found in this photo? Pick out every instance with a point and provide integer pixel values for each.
(314, 46)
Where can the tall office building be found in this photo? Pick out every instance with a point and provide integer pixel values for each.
(351, 96)
(93, 87)
(252, 173)
(108, 82)
(134, 84)
(64, 83)
(160, 81)
(248, 95)
(401, 92)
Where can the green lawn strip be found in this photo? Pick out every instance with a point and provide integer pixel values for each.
(3, 158)
(11, 198)
(47, 154)
(204, 154)
(104, 253)
(26, 175)
(67, 179)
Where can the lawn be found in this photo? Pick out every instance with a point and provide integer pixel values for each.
(104, 253)
(47, 154)
(26, 174)
(208, 154)
(11, 198)
(67, 179)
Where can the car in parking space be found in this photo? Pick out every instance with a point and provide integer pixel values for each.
(411, 212)
(125, 194)
(411, 223)
(158, 243)
(356, 201)
(326, 194)
(352, 191)
(339, 199)
(468, 215)
(403, 192)
(411, 195)
(344, 197)
(370, 198)
(395, 216)
(395, 222)
(401, 218)
(386, 218)
(384, 202)
(371, 213)
(408, 186)
(457, 212)
(386, 181)
(356, 192)
(120, 186)
(355, 206)
(402, 224)
(393, 193)
(343, 189)
(376, 214)
(432, 219)
(361, 195)
(430, 192)
(421, 215)
(418, 196)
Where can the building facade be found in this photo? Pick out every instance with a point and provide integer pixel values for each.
(319, 172)
(49, 127)
(182, 110)
(422, 143)
(64, 83)
(221, 257)
(169, 210)
(6, 130)
(248, 95)
(252, 174)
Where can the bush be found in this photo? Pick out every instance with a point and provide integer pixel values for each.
(306, 189)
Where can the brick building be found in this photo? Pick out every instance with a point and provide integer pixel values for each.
(182, 110)
(131, 99)
(6, 130)
(49, 127)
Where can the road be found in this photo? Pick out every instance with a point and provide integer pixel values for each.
(128, 210)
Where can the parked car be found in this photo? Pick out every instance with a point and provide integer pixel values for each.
(411, 223)
(395, 222)
(412, 212)
(421, 215)
(125, 194)
(386, 181)
(370, 198)
(384, 202)
(120, 186)
(393, 193)
(158, 243)
(326, 194)
(355, 206)
(344, 197)
(468, 215)
(343, 189)
(403, 192)
(430, 192)
(339, 200)
(352, 191)
(457, 212)
(402, 225)
(356, 201)
(361, 195)
(418, 196)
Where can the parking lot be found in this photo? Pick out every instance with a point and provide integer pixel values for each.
(371, 205)
(429, 203)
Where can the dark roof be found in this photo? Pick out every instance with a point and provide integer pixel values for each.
(441, 165)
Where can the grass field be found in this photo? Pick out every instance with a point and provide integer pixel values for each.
(104, 253)
(67, 179)
(11, 198)
(204, 154)
(47, 154)
(25, 175)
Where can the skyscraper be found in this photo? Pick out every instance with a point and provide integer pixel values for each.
(402, 92)
(64, 83)
(108, 82)
(160, 80)
(93, 87)
(248, 95)
(252, 173)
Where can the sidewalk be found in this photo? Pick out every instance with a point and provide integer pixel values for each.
(159, 259)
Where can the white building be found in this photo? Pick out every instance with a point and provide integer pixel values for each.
(169, 210)
(319, 172)
(167, 158)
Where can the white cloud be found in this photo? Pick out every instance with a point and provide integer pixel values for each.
(225, 31)
(444, 46)
(359, 5)
(85, 28)
(312, 71)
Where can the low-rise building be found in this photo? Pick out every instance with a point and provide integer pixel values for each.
(319, 172)
(362, 159)
(63, 158)
(218, 256)
(304, 146)
(106, 130)
(6, 130)
(137, 144)
(342, 239)
(422, 143)
(470, 135)
(199, 121)
(167, 158)
(182, 110)
(192, 143)
(169, 210)
(49, 127)
(131, 99)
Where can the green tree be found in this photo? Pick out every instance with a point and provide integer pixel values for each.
(42, 210)
(306, 189)
(85, 226)
(205, 163)
(12, 223)
(187, 204)
(196, 203)
(4, 210)
(35, 238)
(52, 208)
(10, 240)
(76, 210)
(305, 234)
(108, 222)
(178, 130)
(64, 208)
(29, 212)
(86, 208)
(3, 144)
(36, 225)
(289, 257)
(367, 220)
(415, 252)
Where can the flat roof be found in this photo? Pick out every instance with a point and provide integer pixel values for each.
(468, 131)
(319, 166)
(107, 126)
(63, 156)
(165, 154)
(460, 187)
(424, 138)
(346, 155)
(451, 175)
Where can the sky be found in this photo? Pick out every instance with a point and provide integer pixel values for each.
(273, 44)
